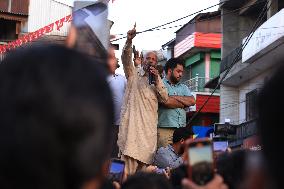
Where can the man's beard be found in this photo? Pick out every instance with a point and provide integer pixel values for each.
(173, 79)
(181, 150)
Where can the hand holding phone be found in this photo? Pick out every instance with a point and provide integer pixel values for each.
(200, 161)
(116, 170)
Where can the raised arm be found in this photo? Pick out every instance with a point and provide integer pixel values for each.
(126, 56)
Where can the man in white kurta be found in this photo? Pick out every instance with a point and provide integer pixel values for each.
(137, 138)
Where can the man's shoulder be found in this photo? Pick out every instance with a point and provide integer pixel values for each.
(163, 149)
(120, 76)
(184, 86)
(165, 81)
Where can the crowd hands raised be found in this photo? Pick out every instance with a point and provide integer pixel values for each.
(57, 130)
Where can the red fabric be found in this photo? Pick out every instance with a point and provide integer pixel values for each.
(207, 40)
(212, 106)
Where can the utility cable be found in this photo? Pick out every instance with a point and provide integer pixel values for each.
(181, 25)
(151, 29)
(255, 26)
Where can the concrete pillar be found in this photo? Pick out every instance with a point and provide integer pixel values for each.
(229, 104)
(207, 66)
(273, 8)
(9, 5)
(235, 28)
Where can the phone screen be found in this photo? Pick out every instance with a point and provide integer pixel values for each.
(201, 162)
(116, 170)
(220, 146)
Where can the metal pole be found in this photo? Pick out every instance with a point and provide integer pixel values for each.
(196, 82)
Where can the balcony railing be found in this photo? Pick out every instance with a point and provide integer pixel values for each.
(244, 131)
(197, 84)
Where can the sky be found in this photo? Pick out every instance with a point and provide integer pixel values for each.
(148, 14)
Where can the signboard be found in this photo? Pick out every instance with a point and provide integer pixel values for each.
(265, 35)
(220, 145)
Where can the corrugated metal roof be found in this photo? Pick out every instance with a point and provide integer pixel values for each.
(1, 11)
(200, 17)
(11, 16)
(169, 43)
(19, 7)
(68, 2)
(4, 5)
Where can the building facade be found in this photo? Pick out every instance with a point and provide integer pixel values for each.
(13, 17)
(26, 21)
(45, 12)
(245, 71)
(199, 43)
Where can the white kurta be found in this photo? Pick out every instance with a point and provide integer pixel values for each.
(137, 136)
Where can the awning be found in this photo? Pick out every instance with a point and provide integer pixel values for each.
(14, 17)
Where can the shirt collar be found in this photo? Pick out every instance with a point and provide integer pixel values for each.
(170, 146)
(170, 82)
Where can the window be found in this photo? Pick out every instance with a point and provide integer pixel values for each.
(251, 103)
(8, 30)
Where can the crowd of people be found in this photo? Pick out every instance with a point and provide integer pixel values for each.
(65, 114)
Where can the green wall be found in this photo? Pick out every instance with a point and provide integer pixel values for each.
(194, 59)
(198, 68)
(196, 64)
(214, 68)
(215, 63)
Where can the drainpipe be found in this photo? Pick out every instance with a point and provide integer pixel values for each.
(9, 5)
(196, 83)
(273, 8)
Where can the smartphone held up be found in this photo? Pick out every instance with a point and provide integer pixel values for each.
(116, 170)
(201, 164)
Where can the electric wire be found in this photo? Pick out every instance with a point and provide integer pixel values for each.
(255, 26)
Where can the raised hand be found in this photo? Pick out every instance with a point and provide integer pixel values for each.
(131, 33)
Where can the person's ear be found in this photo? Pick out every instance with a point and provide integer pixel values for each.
(181, 141)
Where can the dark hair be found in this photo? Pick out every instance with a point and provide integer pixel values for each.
(177, 175)
(270, 107)
(56, 116)
(182, 133)
(231, 166)
(172, 64)
(142, 180)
